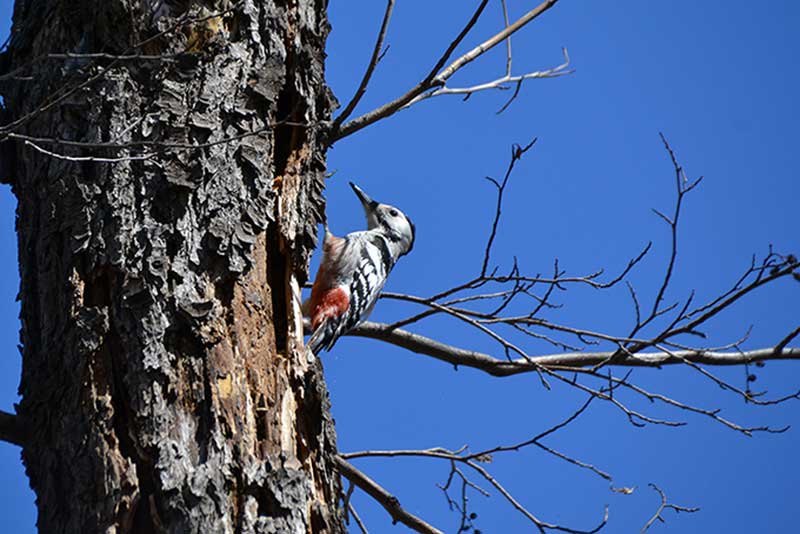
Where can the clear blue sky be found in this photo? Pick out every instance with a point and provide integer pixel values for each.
(719, 79)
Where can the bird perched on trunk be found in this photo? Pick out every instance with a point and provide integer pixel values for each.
(354, 269)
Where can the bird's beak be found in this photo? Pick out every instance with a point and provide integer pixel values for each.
(368, 203)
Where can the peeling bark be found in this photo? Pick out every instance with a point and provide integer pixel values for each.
(164, 385)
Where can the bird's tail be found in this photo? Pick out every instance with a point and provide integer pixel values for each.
(323, 337)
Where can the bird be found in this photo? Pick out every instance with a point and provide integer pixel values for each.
(354, 269)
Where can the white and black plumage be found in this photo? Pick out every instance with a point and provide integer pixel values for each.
(354, 269)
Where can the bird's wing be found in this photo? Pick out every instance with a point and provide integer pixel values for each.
(371, 272)
(362, 269)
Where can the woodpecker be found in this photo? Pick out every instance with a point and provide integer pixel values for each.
(354, 269)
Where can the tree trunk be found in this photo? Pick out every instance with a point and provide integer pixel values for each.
(164, 385)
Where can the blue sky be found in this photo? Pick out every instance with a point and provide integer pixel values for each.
(718, 78)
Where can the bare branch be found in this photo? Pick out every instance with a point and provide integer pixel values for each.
(438, 76)
(634, 350)
(713, 414)
(373, 62)
(463, 507)
(92, 159)
(389, 502)
(560, 279)
(746, 395)
(566, 361)
(11, 429)
(673, 224)
(663, 506)
(536, 441)
(346, 502)
(359, 522)
(787, 268)
(542, 526)
(517, 152)
(155, 146)
(508, 39)
(472, 462)
(785, 341)
(500, 83)
(522, 285)
(485, 455)
(429, 81)
(493, 41)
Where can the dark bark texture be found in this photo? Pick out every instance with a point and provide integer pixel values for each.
(164, 385)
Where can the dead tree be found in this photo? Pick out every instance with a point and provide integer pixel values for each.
(169, 162)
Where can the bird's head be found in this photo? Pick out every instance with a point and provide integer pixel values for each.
(395, 224)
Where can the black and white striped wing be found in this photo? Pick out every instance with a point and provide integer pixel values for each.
(362, 267)
(372, 265)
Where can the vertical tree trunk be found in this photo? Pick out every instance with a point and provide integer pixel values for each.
(164, 382)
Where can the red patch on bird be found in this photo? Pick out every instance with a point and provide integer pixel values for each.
(332, 303)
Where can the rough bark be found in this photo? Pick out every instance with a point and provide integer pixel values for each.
(164, 385)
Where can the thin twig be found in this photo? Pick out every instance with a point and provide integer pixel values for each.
(472, 460)
(500, 83)
(438, 76)
(746, 396)
(493, 41)
(508, 39)
(673, 223)
(517, 152)
(663, 506)
(473, 463)
(389, 502)
(713, 414)
(359, 522)
(373, 62)
(155, 146)
(390, 108)
(93, 159)
(785, 341)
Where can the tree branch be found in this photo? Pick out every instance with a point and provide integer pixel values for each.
(11, 429)
(438, 76)
(426, 83)
(475, 459)
(357, 518)
(389, 502)
(500, 83)
(496, 39)
(517, 152)
(566, 361)
(664, 505)
(92, 159)
(373, 62)
(462, 455)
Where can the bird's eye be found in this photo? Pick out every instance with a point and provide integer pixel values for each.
(393, 212)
